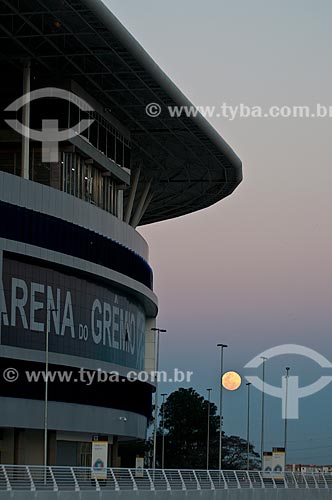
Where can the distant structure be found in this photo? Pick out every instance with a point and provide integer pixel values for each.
(76, 287)
(309, 468)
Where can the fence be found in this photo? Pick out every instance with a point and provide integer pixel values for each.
(37, 478)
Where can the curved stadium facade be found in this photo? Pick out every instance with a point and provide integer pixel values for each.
(76, 288)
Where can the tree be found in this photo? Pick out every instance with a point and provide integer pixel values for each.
(235, 454)
(129, 450)
(186, 426)
(185, 423)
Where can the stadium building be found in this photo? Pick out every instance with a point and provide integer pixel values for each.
(76, 288)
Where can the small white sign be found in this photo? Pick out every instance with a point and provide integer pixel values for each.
(99, 459)
(139, 467)
(278, 461)
(267, 461)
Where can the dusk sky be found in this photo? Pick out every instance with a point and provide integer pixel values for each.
(253, 271)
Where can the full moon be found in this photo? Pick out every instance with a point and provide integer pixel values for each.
(231, 381)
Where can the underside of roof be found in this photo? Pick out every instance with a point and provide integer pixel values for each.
(189, 165)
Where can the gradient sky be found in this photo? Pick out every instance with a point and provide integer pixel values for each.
(253, 271)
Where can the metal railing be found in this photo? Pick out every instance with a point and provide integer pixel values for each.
(38, 478)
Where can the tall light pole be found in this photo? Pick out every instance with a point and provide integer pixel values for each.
(222, 347)
(46, 396)
(248, 384)
(158, 331)
(286, 414)
(263, 411)
(208, 430)
(163, 437)
(47, 333)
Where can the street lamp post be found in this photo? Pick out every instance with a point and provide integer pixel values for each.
(222, 347)
(46, 396)
(208, 430)
(163, 437)
(47, 334)
(158, 331)
(286, 414)
(263, 411)
(248, 384)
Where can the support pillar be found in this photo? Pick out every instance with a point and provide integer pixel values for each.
(139, 210)
(115, 459)
(132, 194)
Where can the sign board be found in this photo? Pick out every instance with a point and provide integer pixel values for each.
(83, 318)
(99, 459)
(139, 472)
(267, 461)
(278, 460)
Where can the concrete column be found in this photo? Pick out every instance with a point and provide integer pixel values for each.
(19, 456)
(120, 204)
(7, 447)
(115, 452)
(52, 443)
(132, 194)
(150, 345)
(138, 213)
(145, 206)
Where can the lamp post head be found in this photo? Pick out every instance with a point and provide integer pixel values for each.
(222, 345)
(159, 330)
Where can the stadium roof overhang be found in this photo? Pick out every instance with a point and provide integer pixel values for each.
(184, 163)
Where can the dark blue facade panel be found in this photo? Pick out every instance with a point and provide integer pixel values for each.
(34, 228)
(120, 395)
